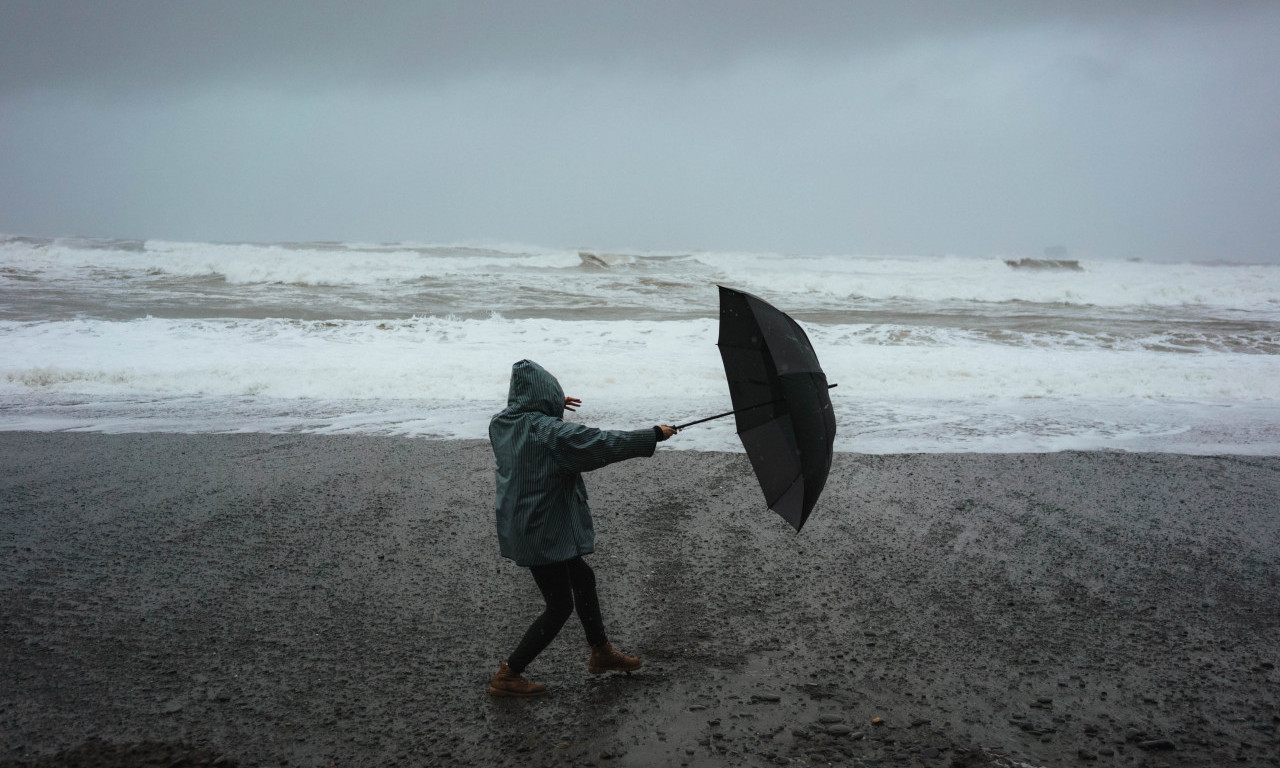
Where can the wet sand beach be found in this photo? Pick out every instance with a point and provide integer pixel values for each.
(328, 600)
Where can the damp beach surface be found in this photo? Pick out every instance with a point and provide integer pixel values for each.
(339, 600)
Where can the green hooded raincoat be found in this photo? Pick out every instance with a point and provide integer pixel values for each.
(542, 511)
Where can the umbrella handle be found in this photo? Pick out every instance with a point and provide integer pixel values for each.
(740, 410)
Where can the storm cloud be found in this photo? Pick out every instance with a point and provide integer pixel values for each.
(1117, 130)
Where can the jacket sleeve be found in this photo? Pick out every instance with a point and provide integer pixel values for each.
(577, 448)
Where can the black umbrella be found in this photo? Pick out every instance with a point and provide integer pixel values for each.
(780, 400)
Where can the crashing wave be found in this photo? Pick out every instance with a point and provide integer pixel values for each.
(1067, 264)
(604, 260)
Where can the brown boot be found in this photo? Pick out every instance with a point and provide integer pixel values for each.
(605, 659)
(508, 683)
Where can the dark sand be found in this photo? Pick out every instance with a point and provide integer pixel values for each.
(317, 601)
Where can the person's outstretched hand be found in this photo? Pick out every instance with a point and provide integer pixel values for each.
(571, 403)
(667, 431)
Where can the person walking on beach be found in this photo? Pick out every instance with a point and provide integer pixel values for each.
(544, 523)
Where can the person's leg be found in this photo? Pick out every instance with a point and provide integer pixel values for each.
(583, 580)
(557, 590)
(603, 656)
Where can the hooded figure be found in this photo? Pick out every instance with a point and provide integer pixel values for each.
(542, 516)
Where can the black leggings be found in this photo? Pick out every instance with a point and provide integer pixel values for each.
(564, 586)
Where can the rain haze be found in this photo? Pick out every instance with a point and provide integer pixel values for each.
(1117, 130)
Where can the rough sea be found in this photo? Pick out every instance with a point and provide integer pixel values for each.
(931, 354)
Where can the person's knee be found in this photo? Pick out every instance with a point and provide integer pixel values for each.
(581, 575)
(559, 609)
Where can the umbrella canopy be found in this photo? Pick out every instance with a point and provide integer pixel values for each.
(779, 392)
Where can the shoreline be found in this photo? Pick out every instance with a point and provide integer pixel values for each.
(884, 427)
(309, 598)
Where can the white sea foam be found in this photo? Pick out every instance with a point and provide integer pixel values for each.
(811, 282)
(469, 359)
(445, 376)
(301, 265)
(990, 280)
(930, 353)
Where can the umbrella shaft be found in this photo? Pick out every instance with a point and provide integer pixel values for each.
(740, 410)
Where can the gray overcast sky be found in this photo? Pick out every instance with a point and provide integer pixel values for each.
(1117, 129)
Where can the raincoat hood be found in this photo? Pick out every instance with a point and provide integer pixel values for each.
(534, 389)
